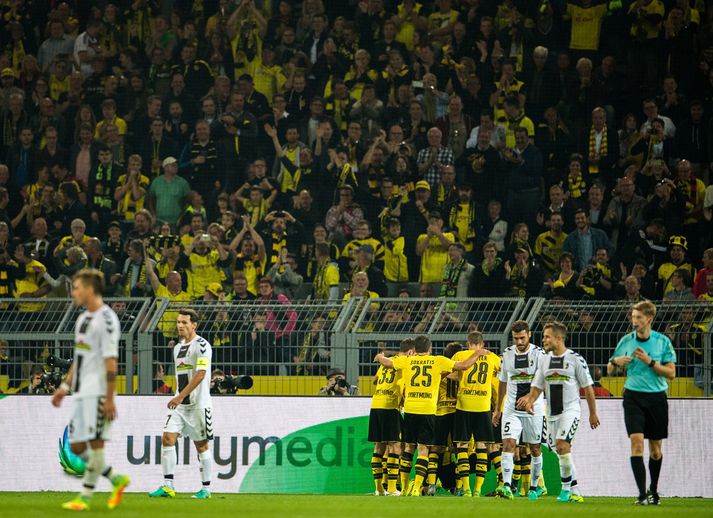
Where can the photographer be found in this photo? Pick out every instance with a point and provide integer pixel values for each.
(596, 281)
(41, 383)
(221, 383)
(337, 385)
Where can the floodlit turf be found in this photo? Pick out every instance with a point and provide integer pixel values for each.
(42, 505)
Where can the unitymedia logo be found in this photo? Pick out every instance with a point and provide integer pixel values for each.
(70, 462)
(342, 448)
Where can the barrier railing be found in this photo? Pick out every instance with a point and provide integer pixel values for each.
(288, 348)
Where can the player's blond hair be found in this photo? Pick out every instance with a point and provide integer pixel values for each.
(92, 278)
(646, 307)
(557, 328)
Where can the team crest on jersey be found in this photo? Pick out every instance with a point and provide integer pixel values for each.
(82, 346)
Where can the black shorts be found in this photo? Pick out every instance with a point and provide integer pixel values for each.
(647, 413)
(419, 429)
(497, 435)
(477, 425)
(384, 425)
(444, 429)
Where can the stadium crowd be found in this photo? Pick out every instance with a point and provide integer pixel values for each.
(277, 150)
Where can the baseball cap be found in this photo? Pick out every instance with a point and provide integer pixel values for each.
(335, 372)
(113, 224)
(215, 288)
(7, 72)
(423, 184)
(168, 161)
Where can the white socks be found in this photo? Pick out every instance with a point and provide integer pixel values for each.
(94, 468)
(206, 462)
(535, 470)
(508, 465)
(169, 458)
(566, 471)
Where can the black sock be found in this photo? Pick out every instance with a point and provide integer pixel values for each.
(637, 466)
(654, 471)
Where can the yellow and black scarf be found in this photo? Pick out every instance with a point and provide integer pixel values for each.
(603, 149)
(576, 186)
(130, 291)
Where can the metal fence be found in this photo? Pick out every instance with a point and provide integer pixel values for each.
(594, 329)
(37, 334)
(288, 348)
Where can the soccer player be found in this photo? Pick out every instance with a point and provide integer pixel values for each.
(473, 419)
(92, 380)
(518, 368)
(422, 373)
(560, 374)
(385, 424)
(649, 360)
(445, 415)
(190, 411)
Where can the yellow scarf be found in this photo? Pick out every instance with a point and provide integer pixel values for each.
(603, 149)
(576, 186)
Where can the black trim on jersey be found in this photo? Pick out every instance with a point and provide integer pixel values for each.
(207, 414)
(522, 361)
(183, 351)
(182, 383)
(101, 420)
(85, 325)
(555, 398)
(556, 362)
(523, 389)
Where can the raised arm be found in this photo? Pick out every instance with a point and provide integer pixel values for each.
(466, 364)
(383, 360)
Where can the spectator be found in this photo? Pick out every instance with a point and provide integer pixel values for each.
(457, 274)
(488, 279)
(524, 165)
(597, 280)
(624, 212)
(677, 246)
(680, 287)
(168, 193)
(280, 321)
(432, 248)
(283, 274)
(564, 284)
(699, 283)
(495, 229)
(342, 218)
(548, 245)
(431, 159)
(365, 263)
(337, 385)
(584, 241)
(524, 276)
(240, 291)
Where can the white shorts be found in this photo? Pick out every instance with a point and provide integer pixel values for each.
(87, 422)
(194, 422)
(562, 427)
(524, 429)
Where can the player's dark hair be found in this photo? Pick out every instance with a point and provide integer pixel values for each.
(91, 277)
(406, 345)
(190, 313)
(451, 349)
(422, 344)
(519, 326)
(558, 328)
(475, 338)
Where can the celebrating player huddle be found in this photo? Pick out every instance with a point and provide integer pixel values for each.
(462, 403)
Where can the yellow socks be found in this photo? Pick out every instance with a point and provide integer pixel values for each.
(378, 471)
(481, 467)
(392, 472)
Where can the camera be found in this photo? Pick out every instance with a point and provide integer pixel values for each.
(231, 384)
(341, 383)
(592, 275)
(51, 381)
(56, 362)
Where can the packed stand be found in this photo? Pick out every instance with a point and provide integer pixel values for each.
(273, 150)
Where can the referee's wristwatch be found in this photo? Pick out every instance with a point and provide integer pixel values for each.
(652, 363)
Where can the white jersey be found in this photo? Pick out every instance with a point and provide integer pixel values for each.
(561, 377)
(190, 358)
(518, 371)
(96, 337)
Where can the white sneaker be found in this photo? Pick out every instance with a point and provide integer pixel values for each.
(395, 493)
(378, 493)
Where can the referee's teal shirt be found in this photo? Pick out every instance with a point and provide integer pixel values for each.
(639, 376)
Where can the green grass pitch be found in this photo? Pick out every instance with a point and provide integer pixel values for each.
(44, 505)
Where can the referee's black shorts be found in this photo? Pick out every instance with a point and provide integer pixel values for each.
(384, 425)
(647, 413)
(476, 425)
(419, 429)
(444, 429)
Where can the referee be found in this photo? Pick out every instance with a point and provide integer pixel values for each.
(649, 359)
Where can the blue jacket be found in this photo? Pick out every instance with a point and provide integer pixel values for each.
(573, 241)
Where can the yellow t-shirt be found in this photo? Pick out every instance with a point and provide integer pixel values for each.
(586, 26)
(32, 282)
(203, 271)
(388, 389)
(549, 248)
(395, 261)
(447, 396)
(435, 258)
(326, 278)
(643, 28)
(118, 122)
(511, 126)
(422, 374)
(476, 384)
(127, 207)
